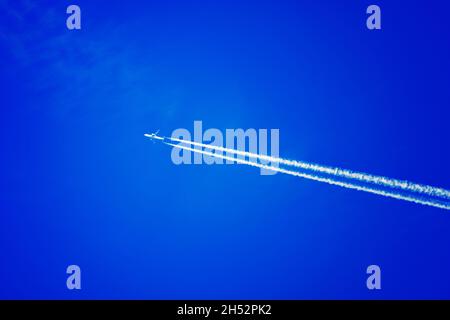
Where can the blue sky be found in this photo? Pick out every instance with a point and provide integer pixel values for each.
(81, 185)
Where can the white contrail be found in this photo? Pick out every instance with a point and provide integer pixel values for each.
(338, 172)
(395, 195)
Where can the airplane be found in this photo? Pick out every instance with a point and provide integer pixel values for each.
(154, 136)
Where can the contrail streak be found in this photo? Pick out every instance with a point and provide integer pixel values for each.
(338, 172)
(433, 203)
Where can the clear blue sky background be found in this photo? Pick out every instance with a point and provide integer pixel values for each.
(81, 185)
